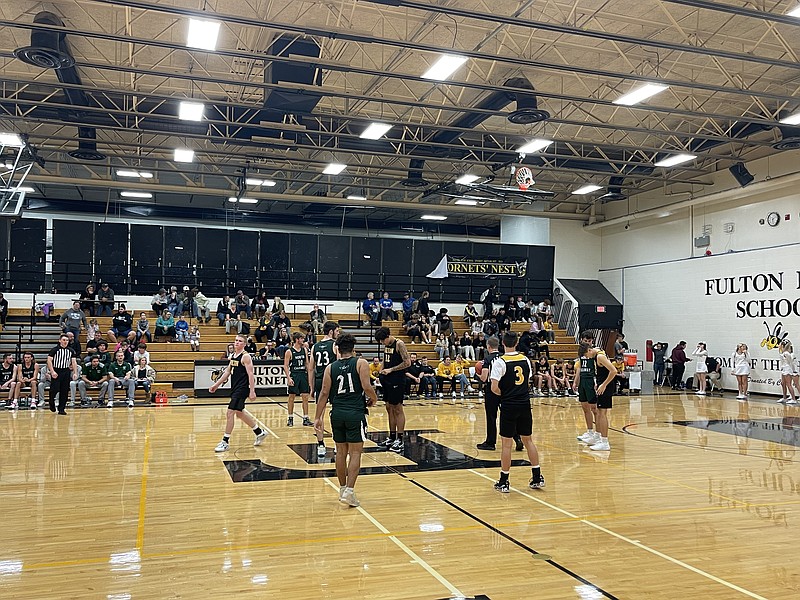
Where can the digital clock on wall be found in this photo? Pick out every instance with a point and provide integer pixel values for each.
(773, 219)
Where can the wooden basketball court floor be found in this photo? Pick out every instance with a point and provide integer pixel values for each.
(699, 498)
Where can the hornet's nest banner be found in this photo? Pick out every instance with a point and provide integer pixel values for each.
(462, 266)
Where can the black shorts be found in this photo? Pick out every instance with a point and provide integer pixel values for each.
(317, 387)
(605, 399)
(348, 427)
(393, 393)
(238, 400)
(515, 419)
(586, 391)
(121, 332)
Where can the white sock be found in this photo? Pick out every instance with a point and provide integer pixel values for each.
(604, 439)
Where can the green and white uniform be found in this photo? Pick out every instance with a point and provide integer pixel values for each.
(298, 369)
(586, 384)
(323, 354)
(348, 415)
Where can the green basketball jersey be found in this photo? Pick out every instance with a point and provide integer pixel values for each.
(346, 391)
(323, 356)
(297, 363)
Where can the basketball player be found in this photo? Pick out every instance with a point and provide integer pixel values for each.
(346, 382)
(298, 375)
(583, 382)
(395, 362)
(492, 400)
(243, 388)
(323, 353)
(511, 374)
(595, 367)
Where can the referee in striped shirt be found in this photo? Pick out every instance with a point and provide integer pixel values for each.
(61, 363)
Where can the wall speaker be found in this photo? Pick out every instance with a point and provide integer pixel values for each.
(741, 174)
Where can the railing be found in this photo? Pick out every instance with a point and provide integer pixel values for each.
(566, 309)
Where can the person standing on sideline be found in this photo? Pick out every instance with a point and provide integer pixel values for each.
(395, 362)
(659, 355)
(8, 377)
(606, 374)
(323, 353)
(511, 374)
(787, 371)
(701, 370)
(298, 371)
(243, 388)
(492, 404)
(741, 369)
(679, 360)
(346, 383)
(72, 320)
(63, 368)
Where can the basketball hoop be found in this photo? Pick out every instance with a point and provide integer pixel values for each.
(524, 178)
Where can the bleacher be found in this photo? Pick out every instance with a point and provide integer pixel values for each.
(174, 362)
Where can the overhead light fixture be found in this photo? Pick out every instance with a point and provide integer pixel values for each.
(795, 118)
(536, 145)
(130, 173)
(466, 202)
(178, 247)
(444, 67)
(8, 165)
(375, 131)
(26, 189)
(466, 179)
(433, 218)
(203, 34)
(191, 111)
(357, 197)
(641, 94)
(334, 169)
(243, 200)
(184, 155)
(147, 195)
(264, 182)
(676, 159)
(587, 189)
(11, 139)
(795, 12)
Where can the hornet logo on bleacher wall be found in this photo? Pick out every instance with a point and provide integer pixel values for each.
(216, 374)
(774, 336)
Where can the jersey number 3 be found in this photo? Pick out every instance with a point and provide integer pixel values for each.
(519, 376)
(345, 384)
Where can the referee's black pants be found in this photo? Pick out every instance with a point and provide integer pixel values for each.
(60, 386)
(491, 406)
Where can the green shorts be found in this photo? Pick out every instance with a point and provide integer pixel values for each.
(348, 427)
(586, 391)
(300, 384)
(317, 387)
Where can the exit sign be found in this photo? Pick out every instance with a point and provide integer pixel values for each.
(600, 309)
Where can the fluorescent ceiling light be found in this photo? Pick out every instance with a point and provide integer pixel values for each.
(676, 159)
(587, 189)
(131, 173)
(795, 12)
(136, 194)
(264, 182)
(8, 165)
(536, 145)
(795, 118)
(10, 139)
(203, 34)
(444, 67)
(433, 218)
(243, 200)
(641, 94)
(375, 131)
(356, 197)
(26, 189)
(191, 111)
(184, 155)
(466, 179)
(334, 169)
(466, 202)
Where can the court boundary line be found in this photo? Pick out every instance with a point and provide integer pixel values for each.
(143, 488)
(634, 543)
(414, 556)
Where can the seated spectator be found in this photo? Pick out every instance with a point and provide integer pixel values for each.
(442, 346)
(559, 376)
(8, 377)
(187, 303)
(141, 353)
(549, 334)
(143, 376)
(242, 305)
(106, 299)
(317, 319)
(425, 328)
(542, 377)
(412, 376)
(282, 342)
(372, 312)
(224, 311)
(462, 370)
(281, 321)
(143, 329)
(28, 374)
(490, 328)
(120, 376)
(408, 306)
(182, 329)
(194, 338)
(479, 345)
(88, 300)
(233, 322)
(427, 385)
(94, 376)
(101, 352)
(230, 351)
(203, 310)
(510, 308)
(375, 371)
(470, 313)
(503, 321)
(277, 305)
(477, 326)
(74, 344)
(165, 326)
(413, 330)
(443, 323)
(264, 329)
(174, 301)
(524, 346)
(387, 308)
(465, 343)
(446, 371)
(92, 335)
(73, 320)
(159, 301)
(125, 347)
(543, 309)
(260, 304)
(528, 311)
(250, 346)
(122, 326)
(268, 351)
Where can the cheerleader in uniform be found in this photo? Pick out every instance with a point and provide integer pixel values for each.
(701, 370)
(787, 372)
(741, 369)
